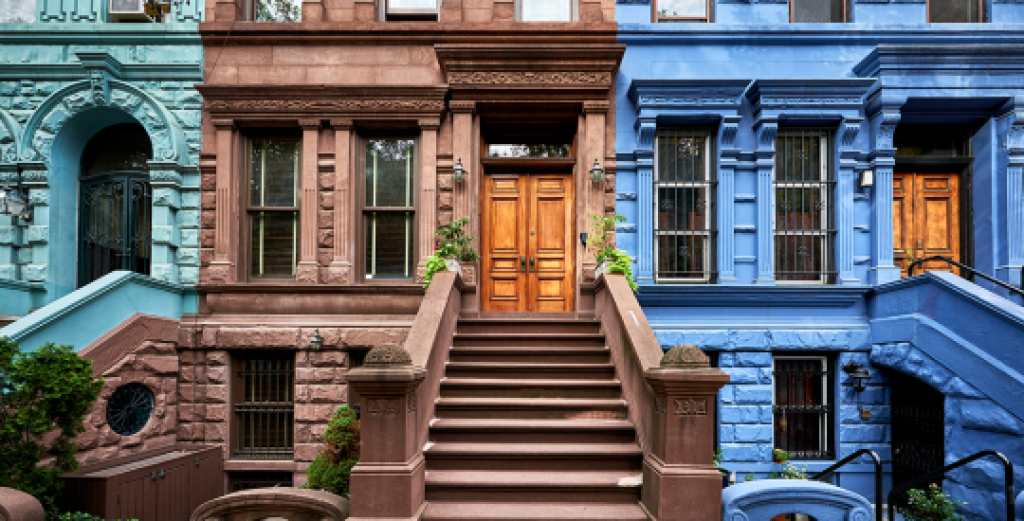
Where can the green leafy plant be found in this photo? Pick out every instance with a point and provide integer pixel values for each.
(44, 397)
(749, 477)
(931, 505)
(602, 240)
(452, 243)
(619, 262)
(788, 470)
(716, 458)
(56, 515)
(332, 468)
(433, 265)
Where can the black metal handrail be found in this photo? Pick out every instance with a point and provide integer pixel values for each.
(1007, 480)
(974, 272)
(878, 475)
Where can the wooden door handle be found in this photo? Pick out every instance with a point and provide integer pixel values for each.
(533, 265)
(522, 264)
(920, 244)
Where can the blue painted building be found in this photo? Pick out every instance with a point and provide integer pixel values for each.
(778, 179)
(100, 130)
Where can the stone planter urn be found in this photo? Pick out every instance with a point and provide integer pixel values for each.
(453, 264)
(601, 269)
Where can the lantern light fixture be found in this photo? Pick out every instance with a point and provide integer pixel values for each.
(596, 172)
(317, 341)
(859, 374)
(459, 172)
(14, 202)
(867, 178)
(583, 239)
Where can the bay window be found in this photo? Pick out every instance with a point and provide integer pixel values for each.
(388, 209)
(273, 208)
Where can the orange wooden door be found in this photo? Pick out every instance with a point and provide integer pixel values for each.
(526, 243)
(926, 219)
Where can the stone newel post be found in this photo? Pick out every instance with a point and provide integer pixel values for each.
(388, 482)
(680, 481)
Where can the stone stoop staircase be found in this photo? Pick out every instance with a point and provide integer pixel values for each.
(531, 425)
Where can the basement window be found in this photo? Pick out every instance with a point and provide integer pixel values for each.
(802, 406)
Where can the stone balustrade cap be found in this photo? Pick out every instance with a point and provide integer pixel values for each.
(387, 355)
(685, 357)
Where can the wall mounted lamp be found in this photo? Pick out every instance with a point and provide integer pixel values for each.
(867, 178)
(583, 239)
(14, 202)
(858, 373)
(459, 172)
(317, 341)
(596, 172)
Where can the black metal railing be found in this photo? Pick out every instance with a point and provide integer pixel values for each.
(878, 475)
(974, 272)
(1007, 480)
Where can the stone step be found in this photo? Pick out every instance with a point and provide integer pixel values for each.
(529, 388)
(528, 325)
(474, 430)
(532, 457)
(535, 408)
(508, 370)
(526, 339)
(531, 487)
(531, 354)
(458, 511)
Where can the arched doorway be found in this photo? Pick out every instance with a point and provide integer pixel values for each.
(115, 203)
(918, 429)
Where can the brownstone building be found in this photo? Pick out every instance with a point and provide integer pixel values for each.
(327, 165)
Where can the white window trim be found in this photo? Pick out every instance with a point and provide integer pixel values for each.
(822, 235)
(707, 184)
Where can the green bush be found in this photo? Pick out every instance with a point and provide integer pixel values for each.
(45, 397)
(332, 468)
(931, 505)
(57, 515)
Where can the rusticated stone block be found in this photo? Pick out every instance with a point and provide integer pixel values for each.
(205, 257)
(303, 393)
(305, 375)
(331, 375)
(444, 218)
(326, 181)
(609, 202)
(186, 393)
(216, 431)
(217, 374)
(325, 219)
(258, 337)
(208, 219)
(193, 374)
(445, 182)
(216, 394)
(324, 412)
(324, 256)
(327, 200)
(207, 238)
(159, 364)
(159, 441)
(217, 358)
(216, 412)
(307, 274)
(330, 393)
(191, 412)
(444, 201)
(325, 238)
(305, 412)
(306, 451)
(209, 182)
(208, 201)
(358, 337)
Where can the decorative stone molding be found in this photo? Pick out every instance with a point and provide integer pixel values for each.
(327, 104)
(514, 78)
(769, 498)
(462, 106)
(685, 356)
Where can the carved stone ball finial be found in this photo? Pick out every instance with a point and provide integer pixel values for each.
(685, 357)
(387, 355)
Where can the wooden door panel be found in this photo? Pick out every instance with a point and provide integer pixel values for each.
(903, 219)
(551, 284)
(926, 219)
(503, 286)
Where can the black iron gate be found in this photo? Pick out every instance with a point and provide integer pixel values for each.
(115, 225)
(918, 428)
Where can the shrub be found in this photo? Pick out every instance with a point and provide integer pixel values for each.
(453, 242)
(332, 468)
(931, 505)
(45, 397)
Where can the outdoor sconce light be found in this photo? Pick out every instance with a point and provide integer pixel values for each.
(583, 239)
(596, 172)
(859, 374)
(459, 172)
(13, 202)
(867, 178)
(317, 341)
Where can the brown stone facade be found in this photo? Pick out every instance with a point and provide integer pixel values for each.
(336, 77)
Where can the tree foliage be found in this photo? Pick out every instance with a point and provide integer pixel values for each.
(332, 468)
(45, 396)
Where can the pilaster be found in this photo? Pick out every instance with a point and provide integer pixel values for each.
(223, 268)
(765, 128)
(646, 128)
(594, 114)
(427, 205)
(10, 233)
(308, 271)
(728, 157)
(1014, 198)
(462, 150)
(35, 249)
(340, 271)
(166, 184)
(884, 122)
(844, 199)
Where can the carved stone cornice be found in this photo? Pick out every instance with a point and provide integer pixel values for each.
(341, 124)
(596, 106)
(429, 124)
(954, 60)
(310, 124)
(808, 98)
(688, 95)
(529, 78)
(462, 106)
(326, 102)
(512, 66)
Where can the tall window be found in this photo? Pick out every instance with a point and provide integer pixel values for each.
(802, 405)
(955, 11)
(411, 10)
(388, 208)
(803, 216)
(273, 207)
(276, 10)
(264, 407)
(545, 10)
(819, 11)
(684, 206)
(682, 10)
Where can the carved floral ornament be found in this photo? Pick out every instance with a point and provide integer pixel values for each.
(541, 78)
(327, 104)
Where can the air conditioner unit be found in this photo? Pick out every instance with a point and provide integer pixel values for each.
(129, 10)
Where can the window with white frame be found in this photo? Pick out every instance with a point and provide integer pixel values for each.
(273, 207)
(819, 11)
(411, 10)
(684, 195)
(803, 211)
(802, 406)
(682, 11)
(388, 209)
(546, 10)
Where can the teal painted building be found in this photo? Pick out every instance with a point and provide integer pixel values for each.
(100, 129)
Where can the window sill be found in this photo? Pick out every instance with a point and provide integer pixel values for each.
(261, 464)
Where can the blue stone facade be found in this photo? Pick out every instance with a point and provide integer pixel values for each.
(750, 73)
(65, 78)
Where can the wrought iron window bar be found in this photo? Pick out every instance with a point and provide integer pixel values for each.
(811, 438)
(803, 227)
(265, 415)
(972, 271)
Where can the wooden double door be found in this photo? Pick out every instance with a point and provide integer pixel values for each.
(926, 219)
(527, 261)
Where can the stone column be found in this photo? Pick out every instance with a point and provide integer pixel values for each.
(340, 271)
(427, 204)
(308, 270)
(680, 482)
(388, 482)
(766, 128)
(223, 268)
(884, 121)
(1014, 201)
(462, 149)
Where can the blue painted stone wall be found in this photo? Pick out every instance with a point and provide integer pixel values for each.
(62, 80)
(750, 73)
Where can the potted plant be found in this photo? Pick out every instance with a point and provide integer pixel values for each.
(931, 505)
(453, 247)
(786, 471)
(609, 258)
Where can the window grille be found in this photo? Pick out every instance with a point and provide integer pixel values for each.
(955, 11)
(265, 409)
(259, 479)
(802, 406)
(684, 192)
(819, 11)
(273, 207)
(388, 210)
(803, 209)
